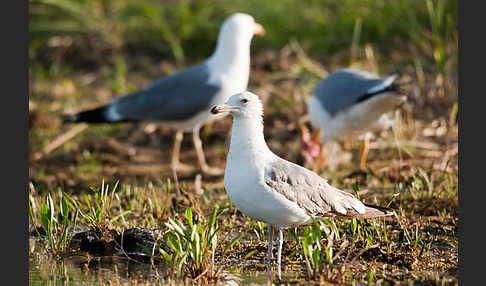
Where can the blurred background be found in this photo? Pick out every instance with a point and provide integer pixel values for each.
(84, 53)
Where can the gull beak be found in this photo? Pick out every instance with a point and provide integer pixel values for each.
(222, 108)
(259, 31)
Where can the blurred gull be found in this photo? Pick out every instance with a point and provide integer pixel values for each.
(352, 102)
(183, 100)
(268, 188)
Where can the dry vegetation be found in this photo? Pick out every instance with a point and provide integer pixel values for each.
(412, 168)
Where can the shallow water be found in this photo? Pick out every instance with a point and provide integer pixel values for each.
(71, 271)
(44, 271)
(121, 271)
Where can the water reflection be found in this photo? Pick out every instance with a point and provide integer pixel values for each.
(77, 271)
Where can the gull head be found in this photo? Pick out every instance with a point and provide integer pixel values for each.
(241, 105)
(241, 25)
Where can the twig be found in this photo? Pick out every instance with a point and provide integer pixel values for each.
(200, 275)
(59, 140)
(363, 251)
(341, 249)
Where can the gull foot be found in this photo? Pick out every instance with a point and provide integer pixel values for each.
(184, 168)
(212, 171)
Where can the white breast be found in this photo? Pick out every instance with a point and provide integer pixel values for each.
(246, 188)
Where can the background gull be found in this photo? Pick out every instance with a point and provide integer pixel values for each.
(183, 100)
(268, 188)
(352, 102)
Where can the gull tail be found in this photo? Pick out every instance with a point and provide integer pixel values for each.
(101, 114)
(347, 205)
(97, 115)
(372, 211)
(393, 87)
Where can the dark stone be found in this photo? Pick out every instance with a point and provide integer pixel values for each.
(141, 240)
(138, 243)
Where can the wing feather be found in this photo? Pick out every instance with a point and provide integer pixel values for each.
(175, 97)
(312, 193)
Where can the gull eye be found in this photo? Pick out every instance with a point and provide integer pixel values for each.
(244, 100)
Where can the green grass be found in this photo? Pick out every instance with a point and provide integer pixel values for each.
(193, 242)
(196, 243)
(83, 53)
(56, 219)
(187, 30)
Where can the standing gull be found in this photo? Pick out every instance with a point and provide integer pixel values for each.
(353, 102)
(268, 188)
(183, 100)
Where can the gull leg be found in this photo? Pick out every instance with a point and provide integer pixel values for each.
(321, 159)
(176, 150)
(200, 155)
(317, 137)
(270, 242)
(279, 253)
(316, 140)
(270, 254)
(364, 153)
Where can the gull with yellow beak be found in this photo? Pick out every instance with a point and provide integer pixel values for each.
(183, 100)
(268, 188)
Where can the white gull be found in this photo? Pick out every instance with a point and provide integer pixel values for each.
(353, 102)
(268, 188)
(183, 100)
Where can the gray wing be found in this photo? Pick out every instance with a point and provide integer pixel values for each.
(346, 87)
(175, 97)
(309, 191)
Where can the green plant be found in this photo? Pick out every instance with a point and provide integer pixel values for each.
(97, 207)
(318, 256)
(437, 17)
(193, 246)
(56, 228)
(260, 230)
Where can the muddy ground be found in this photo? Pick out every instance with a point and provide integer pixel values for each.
(411, 167)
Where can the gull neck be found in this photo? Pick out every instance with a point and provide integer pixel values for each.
(247, 137)
(232, 54)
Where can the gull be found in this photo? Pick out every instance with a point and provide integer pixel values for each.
(352, 102)
(183, 100)
(268, 188)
